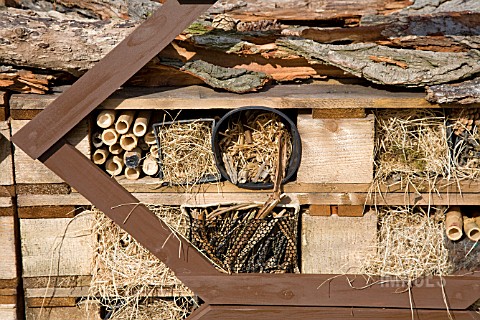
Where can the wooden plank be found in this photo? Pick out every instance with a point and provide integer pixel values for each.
(337, 244)
(218, 312)
(8, 261)
(44, 188)
(3, 105)
(336, 291)
(8, 283)
(62, 313)
(305, 96)
(338, 113)
(33, 171)
(107, 76)
(50, 302)
(48, 212)
(57, 282)
(319, 210)
(6, 162)
(54, 292)
(336, 150)
(350, 211)
(57, 247)
(8, 311)
(8, 299)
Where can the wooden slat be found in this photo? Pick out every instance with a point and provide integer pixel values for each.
(336, 150)
(215, 312)
(57, 247)
(63, 313)
(8, 260)
(350, 211)
(3, 105)
(8, 311)
(30, 171)
(334, 244)
(316, 96)
(6, 160)
(47, 212)
(334, 291)
(57, 282)
(107, 76)
(338, 113)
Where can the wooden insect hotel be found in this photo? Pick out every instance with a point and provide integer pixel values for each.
(249, 159)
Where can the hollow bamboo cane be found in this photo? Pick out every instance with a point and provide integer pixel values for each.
(150, 138)
(150, 166)
(132, 158)
(454, 223)
(124, 122)
(154, 151)
(106, 118)
(110, 136)
(471, 228)
(140, 125)
(115, 149)
(142, 145)
(128, 141)
(114, 166)
(97, 140)
(132, 173)
(100, 156)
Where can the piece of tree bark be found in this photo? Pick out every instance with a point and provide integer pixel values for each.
(466, 92)
(24, 81)
(230, 79)
(388, 66)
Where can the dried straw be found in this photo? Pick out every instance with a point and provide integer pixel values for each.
(411, 147)
(125, 272)
(158, 309)
(186, 152)
(410, 244)
(255, 159)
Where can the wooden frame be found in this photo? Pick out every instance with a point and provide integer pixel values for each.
(266, 296)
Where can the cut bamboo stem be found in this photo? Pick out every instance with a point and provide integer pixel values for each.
(97, 140)
(150, 138)
(132, 173)
(140, 126)
(115, 149)
(454, 223)
(110, 136)
(150, 166)
(132, 158)
(100, 156)
(128, 141)
(154, 151)
(471, 228)
(124, 122)
(106, 118)
(143, 145)
(114, 166)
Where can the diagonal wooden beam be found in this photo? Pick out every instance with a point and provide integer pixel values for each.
(108, 75)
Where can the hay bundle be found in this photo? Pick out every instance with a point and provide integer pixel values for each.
(125, 272)
(157, 309)
(250, 146)
(237, 239)
(410, 244)
(186, 152)
(411, 146)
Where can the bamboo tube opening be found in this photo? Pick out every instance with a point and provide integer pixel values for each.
(154, 151)
(114, 166)
(109, 136)
(132, 158)
(150, 138)
(143, 145)
(132, 173)
(100, 156)
(453, 223)
(471, 229)
(128, 141)
(150, 166)
(141, 123)
(124, 121)
(115, 149)
(97, 140)
(106, 118)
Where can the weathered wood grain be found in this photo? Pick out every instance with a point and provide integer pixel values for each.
(389, 66)
(466, 92)
(8, 311)
(63, 312)
(3, 105)
(336, 244)
(8, 261)
(48, 212)
(33, 171)
(6, 159)
(57, 247)
(336, 150)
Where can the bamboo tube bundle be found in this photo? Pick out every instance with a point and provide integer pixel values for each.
(106, 119)
(115, 149)
(128, 141)
(140, 126)
(154, 151)
(150, 138)
(132, 173)
(472, 230)
(110, 136)
(114, 166)
(100, 156)
(132, 158)
(150, 166)
(124, 122)
(454, 223)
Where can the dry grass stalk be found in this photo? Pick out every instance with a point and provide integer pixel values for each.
(410, 244)
(125, 272)
(411, 147)
(186, 152)
(250, 146)
(158, 309)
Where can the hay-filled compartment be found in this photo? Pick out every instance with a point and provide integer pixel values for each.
(243, 239)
